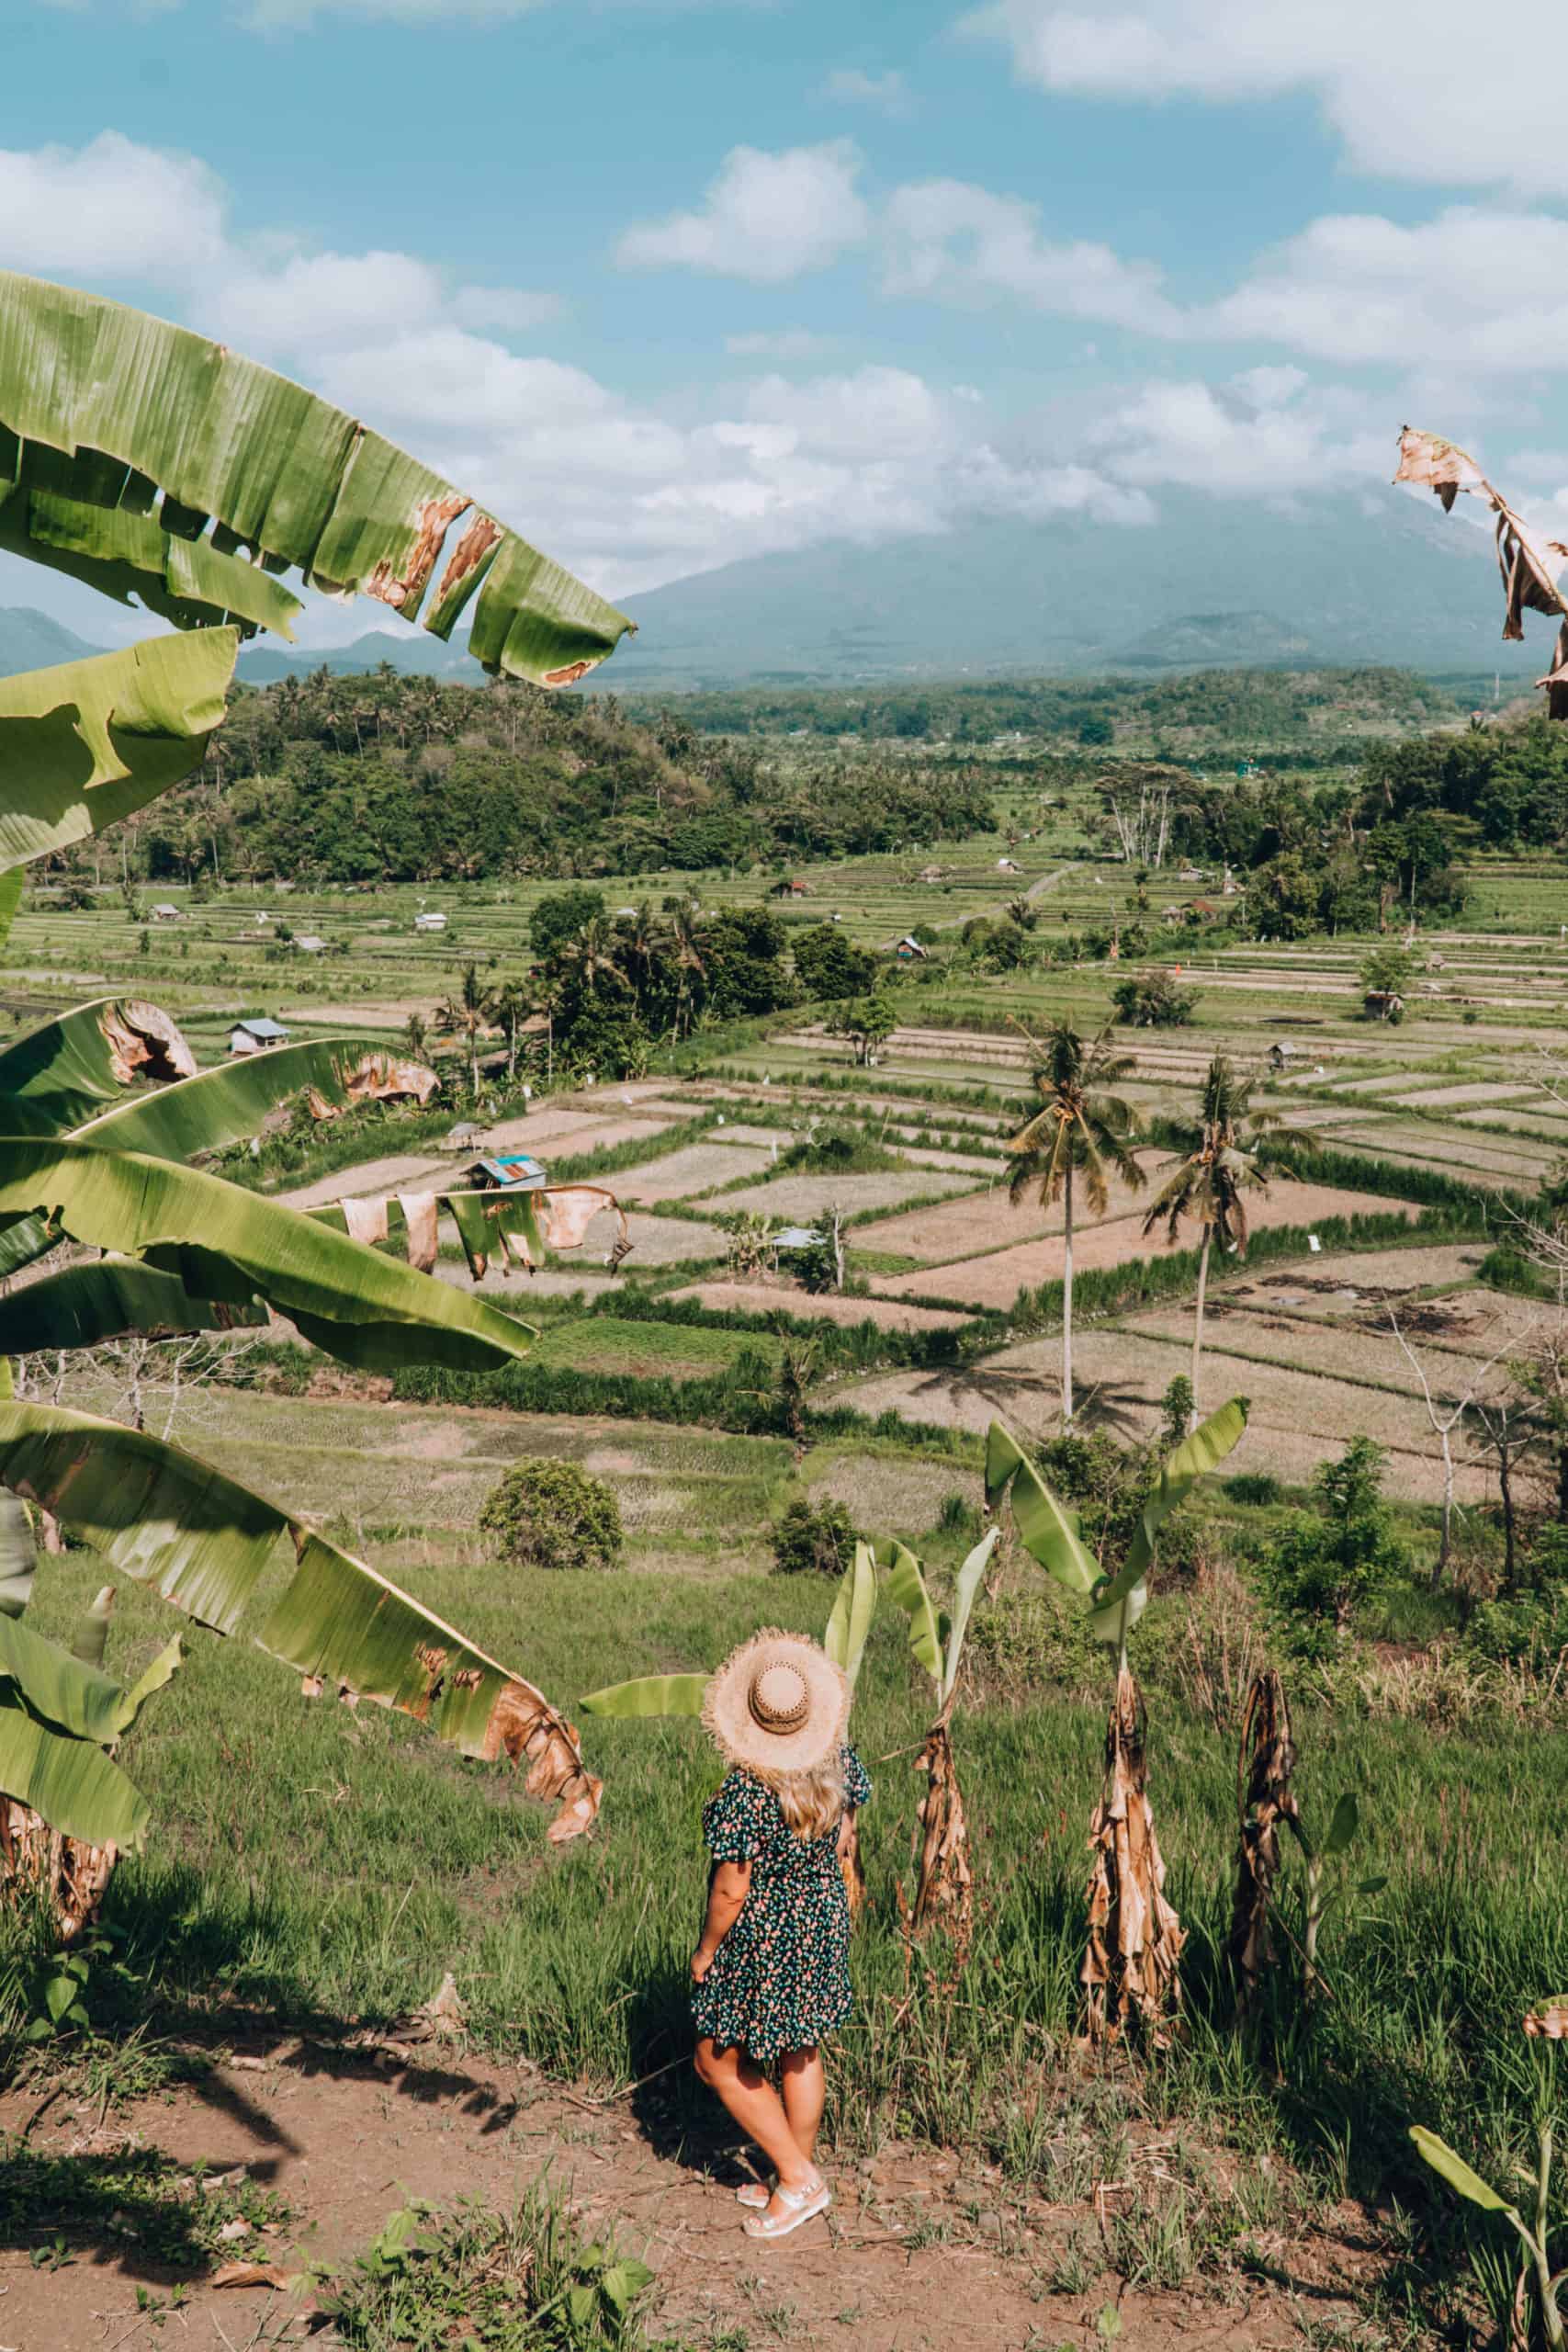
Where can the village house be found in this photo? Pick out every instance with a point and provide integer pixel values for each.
(255, 1036)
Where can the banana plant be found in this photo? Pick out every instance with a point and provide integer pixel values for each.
(1134, 1936)
(944, 1885)
(1536, 2281)
(843, 1638)
(70, 1807)
(147, 462)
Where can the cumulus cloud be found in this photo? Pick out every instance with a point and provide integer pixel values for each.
(954, 242)
(1265, 432)
(888, 91)
(766, 217)
(1435, 95)
(1484, 286)
(779, 342)
(109, 209)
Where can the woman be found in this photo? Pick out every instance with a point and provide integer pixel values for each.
(772, 1971)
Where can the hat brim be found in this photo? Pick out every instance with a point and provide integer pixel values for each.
(736, 1732)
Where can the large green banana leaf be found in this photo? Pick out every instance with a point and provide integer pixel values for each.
(855, 1606)
(122, 437)
(88, 743)
(202, 1541)
(1049, 1529)
(84, 1062)
(68, 1695)
(1193, 1459)
(71, 1782)
(229, 1103)
(906, 1587)
(10, 900)
(82, 1306)
(966, 1585)
(231, 1246)
(649, 1694)
(18, 1558)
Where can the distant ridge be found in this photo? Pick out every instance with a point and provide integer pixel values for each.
(1215, 583)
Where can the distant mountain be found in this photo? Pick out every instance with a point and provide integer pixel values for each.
(30, 640)
(409, 651)
(1216, 583)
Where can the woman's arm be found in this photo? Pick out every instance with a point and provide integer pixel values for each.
(727, 1889)
(847, 1831)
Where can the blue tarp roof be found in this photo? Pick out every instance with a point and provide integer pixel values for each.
(262, 1027)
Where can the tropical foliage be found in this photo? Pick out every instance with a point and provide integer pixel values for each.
(141, 459)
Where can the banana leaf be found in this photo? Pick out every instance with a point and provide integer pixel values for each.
(70, 1782)
(163, 1668)
(103, 407)
(91, 1638)
(201, 1540)
(906, 1587)
(1192, 1460)
(854, 1605)
(62, 1691)
(84, 744)
(10, 895)
(1049, 1531)
(85, 1062)
(966, 1585)
(1456, 2172)
(230, 1245)
(19, 1556)
(649, 1694)
(228, 1105)
(82, 1306)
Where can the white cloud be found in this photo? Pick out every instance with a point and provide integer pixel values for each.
(1431, 94)
(954, 242)
(108, 209)
(511, 309)
(767, 217)
(1486, 289)
(1266, 432)
(888, 92)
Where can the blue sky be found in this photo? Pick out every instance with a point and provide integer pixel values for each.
(674, 286)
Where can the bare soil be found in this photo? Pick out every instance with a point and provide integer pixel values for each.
(952, 1228)
(799, 1196)
(699, 1168)
(921, 2249)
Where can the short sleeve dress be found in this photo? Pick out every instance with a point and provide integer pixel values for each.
(780, 1978)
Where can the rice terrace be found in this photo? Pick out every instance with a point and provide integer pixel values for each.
(586, 1196)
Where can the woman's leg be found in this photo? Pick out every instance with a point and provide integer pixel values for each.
(752, 2099)
(804, 2084)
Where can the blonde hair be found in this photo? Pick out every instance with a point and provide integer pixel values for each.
(811, 1802)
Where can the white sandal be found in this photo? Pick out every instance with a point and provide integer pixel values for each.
(800, 2206)
(756, 2195)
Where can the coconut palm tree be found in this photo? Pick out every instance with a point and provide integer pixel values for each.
(1208, 1184)
(1082, 1134)
(468, 1014)
(685, 940)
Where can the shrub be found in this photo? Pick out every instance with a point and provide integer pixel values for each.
(958, 1516)
(550, 1514)
(1258, 1486)
(814, 1540)
(1153, 1000)
(1322, 1566)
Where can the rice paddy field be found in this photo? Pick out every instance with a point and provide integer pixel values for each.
(315, 1871)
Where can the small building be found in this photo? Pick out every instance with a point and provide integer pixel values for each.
(1384, 1004)
(255, 1036)
(429, 922)
(309, 943)
(1283, 1054)
(1200, 911)
(507, 1171)
(165, 913)
(792, 886)
(1007, 865)
(792, 1237)
(466, 1136)
(910, 950)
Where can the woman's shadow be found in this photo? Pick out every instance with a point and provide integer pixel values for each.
(680, 2120)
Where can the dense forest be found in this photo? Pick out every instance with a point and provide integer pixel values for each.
(1322, 712)
(391, 778)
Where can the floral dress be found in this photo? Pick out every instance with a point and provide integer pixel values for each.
(780, 1978)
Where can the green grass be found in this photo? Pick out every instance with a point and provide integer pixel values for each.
(367, 1859)
(647, 1349)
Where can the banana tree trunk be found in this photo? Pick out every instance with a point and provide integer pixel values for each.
(944, 1891)
(1192, 1417)
(1067, 1301)
(38, 1864)
(1268, 1760)
(1129, 1974)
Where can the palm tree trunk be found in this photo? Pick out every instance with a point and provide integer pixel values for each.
(1068, 1300)
(1198, 1326)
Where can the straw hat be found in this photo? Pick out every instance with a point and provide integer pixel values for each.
(777, 1704)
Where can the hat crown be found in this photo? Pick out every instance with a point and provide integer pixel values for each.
(779, 1700)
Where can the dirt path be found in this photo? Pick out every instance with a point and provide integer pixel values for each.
(921, 2250)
